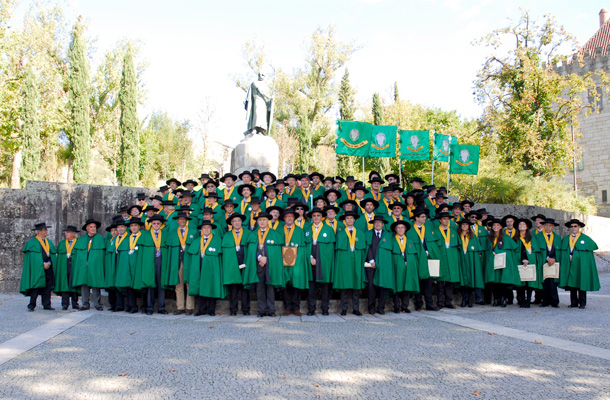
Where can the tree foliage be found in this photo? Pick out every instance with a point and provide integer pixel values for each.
(529, 106)
(128, 123)
(32, 148)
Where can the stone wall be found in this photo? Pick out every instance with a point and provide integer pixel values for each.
(60, 205)
(57, 204)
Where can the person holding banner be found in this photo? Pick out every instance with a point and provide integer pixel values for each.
(405, 260)
(423, 233)
(471, 269)
(529, 255)
(501, 270)
(578, 270)
(551, 252)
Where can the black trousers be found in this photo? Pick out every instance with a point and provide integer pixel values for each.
(116, 299)
(66, 297)
(401, 297)
(355, 294)
(311, 296)
(207, 305)
(444, 293)
(159, 291)
(265, 294)
(45, 292)
(376, 295)
(425, 290)
(465, 291)
(130, 299)
(234, 293)
(538, 295)
(551, 297)
(499, 291)
(524, 296)
(578, 297)
(292, 298)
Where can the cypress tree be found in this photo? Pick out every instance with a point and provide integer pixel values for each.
(305, 147)
(396, 95)
(128, 123)
(345, 164)
(377, 110)
(79, 105)
(31, 144)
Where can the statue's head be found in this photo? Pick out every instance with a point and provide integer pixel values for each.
(261, 76)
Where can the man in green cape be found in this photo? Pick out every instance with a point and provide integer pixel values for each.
(151, 268)
(266, 256)
(234, 272)
(63, 270)
(448, 247)
(230, 191)
(205, 269)
(88, 262)
(537, 232)
(321, 256)
(551, 253)
(578, 271)
(127, 259)
(299, 274)
(404, 262)
(378, 265)
(271, 193)
(423, 234)
(385, 205)
(37, 278)
(471, 270)
(348, 272)
(178, 240)
(501, 279)
(117, 250)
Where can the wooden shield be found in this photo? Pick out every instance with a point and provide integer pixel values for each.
(289, 255)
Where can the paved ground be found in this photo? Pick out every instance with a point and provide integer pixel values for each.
(483, 352)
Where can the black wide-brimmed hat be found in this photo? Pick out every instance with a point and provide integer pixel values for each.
(269, 209)
(363, 202)
(272, 188)
(535, 217)
(403, 206)
(212, 182)
(329, 179)
(135, 221)
(317, 210)
(182, 214)
(348, 201)
(288, 211)
(506, 217)
(228, 175)
(263, 214)
(316, 173)
(135, 206)
(442, 215)
(246, 173)
(430, 188)
(575, 221)
(335, 209)
(156, 217)
(195, 183)
(475, 213)
(163, 188)
(70, 228)
(527, 222)
(168, 203)
(360, 187)
(236, 215)
(442, 207)
(349, 178)
(379, 218)
(157, 197)
(387, 189)
(255, 200)
(151, 208)
(388, 176)
(173, 180)
(417, 179)
(299, 204)
(91, 221)
(374, 173)
(496, 221)
(267, 173)
(212, 195)
(482, 211)
(41, 225)
(335, 191)
(349, 214)
(229, 202)
(206, 223)
(290, 176)
(464, 202)
(241, 188)
(400, 222)
(419, 211)
(376, 179)
(207, 176)
(141, 196)
(550, 221)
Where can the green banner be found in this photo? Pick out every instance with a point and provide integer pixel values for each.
(442, 146)
(383, 141)
(415, 145)
(353, 138)
(464, 159)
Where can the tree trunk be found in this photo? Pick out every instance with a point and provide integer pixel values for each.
(16, 168)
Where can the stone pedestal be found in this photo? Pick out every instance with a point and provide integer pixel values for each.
(255, 152)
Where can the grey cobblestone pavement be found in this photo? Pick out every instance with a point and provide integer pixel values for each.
(115, 355)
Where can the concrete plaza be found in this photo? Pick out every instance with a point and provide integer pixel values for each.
(483, 352)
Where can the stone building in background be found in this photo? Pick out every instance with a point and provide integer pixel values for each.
(593, 167)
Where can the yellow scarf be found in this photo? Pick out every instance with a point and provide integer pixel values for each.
(227, 194)
(300, 224)
(432, 201)
(156, 240)
(181, 238)
(465, 240)
(573, 242)
(445, 234)
(253, 215)
(512, 234)
(316, 231)
(350, 196)
(133, 242)
(351, 237)
(289, 191)
(117, 243)
(276, 224)
(333, 225)
(370, 224)
(528, 246)
(475, 229)
(244, 205)
(306, 194)
(402, 246)
(376, 196)
(387, 205)
(421, 234)
(236, 237)
(261, 238)
(45, 245)
(270, 204)
(549, 240)
(397, 219)
(288, 233)
(495, 242)
(205, 247)
(70, 247)
(410, 209)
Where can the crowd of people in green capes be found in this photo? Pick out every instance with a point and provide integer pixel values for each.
(308, 238)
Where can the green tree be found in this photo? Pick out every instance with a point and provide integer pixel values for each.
(305, 149)
(128, 124)
(31, 145)
(529, 106)
(347, 94)
(377, 110)
(396, 95)
(380, 164)
(79, 92)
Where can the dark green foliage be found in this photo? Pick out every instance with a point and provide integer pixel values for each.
(31, 144)
(128, 124)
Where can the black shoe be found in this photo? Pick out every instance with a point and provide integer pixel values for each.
(149, 312)
(543, 305)
(527, 305)
(75, 307)
(372, 312)
(325, 312)
(573, 306)
(99, 308)
(432, 308)
(418, 308)
(311, 313)
(481, 303)
(503, 304)
(246, 312)
(463, 304)
(396, 310)
(163, 312)
(510, 302)
(30, 309)
(451, 306)
(64, 308)
(469, 305)
(261, 315)
(119, 309)
(496, 303)
(233, 314)
(199, 313)
(381, 312)
(178, 312)
(49, 308)
(272, 315)
(342, 312)
(555, 306)
(357, 313)
(83, 308)
(111, 309)
(537, 301)
(133, 310)
(212, 314)
(580, 307)
(406, 310)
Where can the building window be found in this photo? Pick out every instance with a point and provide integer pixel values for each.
(604, 196)
(597, 103)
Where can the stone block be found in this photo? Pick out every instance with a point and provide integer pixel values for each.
(255, 151)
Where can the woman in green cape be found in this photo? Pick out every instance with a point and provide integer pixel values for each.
(471, 269)
(578, 271)
(37, 278)
(404, 263)
(528, 253)
(503, 278)
(205, 269)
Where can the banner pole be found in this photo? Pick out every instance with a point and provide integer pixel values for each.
(363, 171)
(448, 172)
(432, 172)
(399, 171)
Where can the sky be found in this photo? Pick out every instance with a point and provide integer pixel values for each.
(195, 47)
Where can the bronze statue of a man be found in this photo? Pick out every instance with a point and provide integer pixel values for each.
(259, 106)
